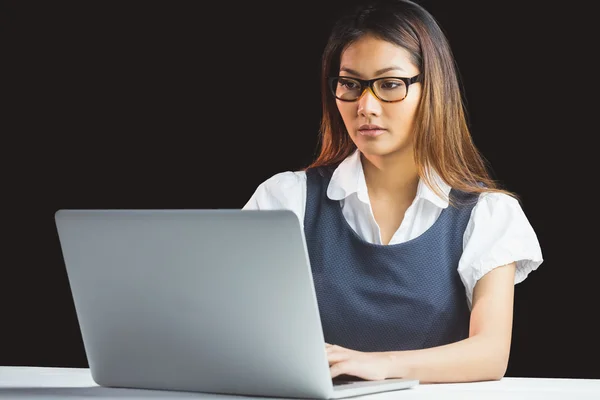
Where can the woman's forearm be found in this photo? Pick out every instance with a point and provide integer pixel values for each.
(477, 358)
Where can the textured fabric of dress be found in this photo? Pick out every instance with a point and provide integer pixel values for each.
(386, 297)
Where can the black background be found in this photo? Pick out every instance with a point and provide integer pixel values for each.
(128, 104)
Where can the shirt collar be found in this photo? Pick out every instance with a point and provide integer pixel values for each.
(349, 178)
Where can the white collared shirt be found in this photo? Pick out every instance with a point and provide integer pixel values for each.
(498, 232)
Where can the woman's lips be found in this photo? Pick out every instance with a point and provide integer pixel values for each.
(371, 132)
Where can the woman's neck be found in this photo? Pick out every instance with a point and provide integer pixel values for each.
(392, 176)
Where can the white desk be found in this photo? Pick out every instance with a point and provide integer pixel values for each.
(75, 383)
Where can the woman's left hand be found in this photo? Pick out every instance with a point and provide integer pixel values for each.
(365, 365)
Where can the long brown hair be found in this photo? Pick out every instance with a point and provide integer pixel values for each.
(442, 137)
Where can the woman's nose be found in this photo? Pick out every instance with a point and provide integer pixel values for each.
(368, 104)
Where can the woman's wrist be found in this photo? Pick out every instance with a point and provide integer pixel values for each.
(394, 365)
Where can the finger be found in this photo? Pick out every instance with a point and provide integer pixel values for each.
(335, 348)
(334, 358)
(339, 368)
(348, 367)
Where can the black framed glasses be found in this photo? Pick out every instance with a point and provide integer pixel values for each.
(386, 89)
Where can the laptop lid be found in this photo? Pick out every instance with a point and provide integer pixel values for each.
(218, 301)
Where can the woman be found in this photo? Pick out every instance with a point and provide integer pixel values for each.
(415, 250)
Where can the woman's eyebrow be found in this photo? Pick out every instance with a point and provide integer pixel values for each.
(381, 71)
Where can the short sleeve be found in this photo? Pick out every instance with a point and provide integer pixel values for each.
(498, 233)
(284, 190)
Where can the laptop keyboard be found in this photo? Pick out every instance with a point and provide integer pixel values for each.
(356, 384)
(340, 382)
(348, 380)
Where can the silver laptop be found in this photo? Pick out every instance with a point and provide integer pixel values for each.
(215, 301)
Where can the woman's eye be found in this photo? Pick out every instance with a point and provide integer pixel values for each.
(348, 84)
(390, 85)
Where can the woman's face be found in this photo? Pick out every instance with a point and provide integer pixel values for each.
(370, 58)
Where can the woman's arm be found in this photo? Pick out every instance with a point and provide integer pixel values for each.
(482, 356)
